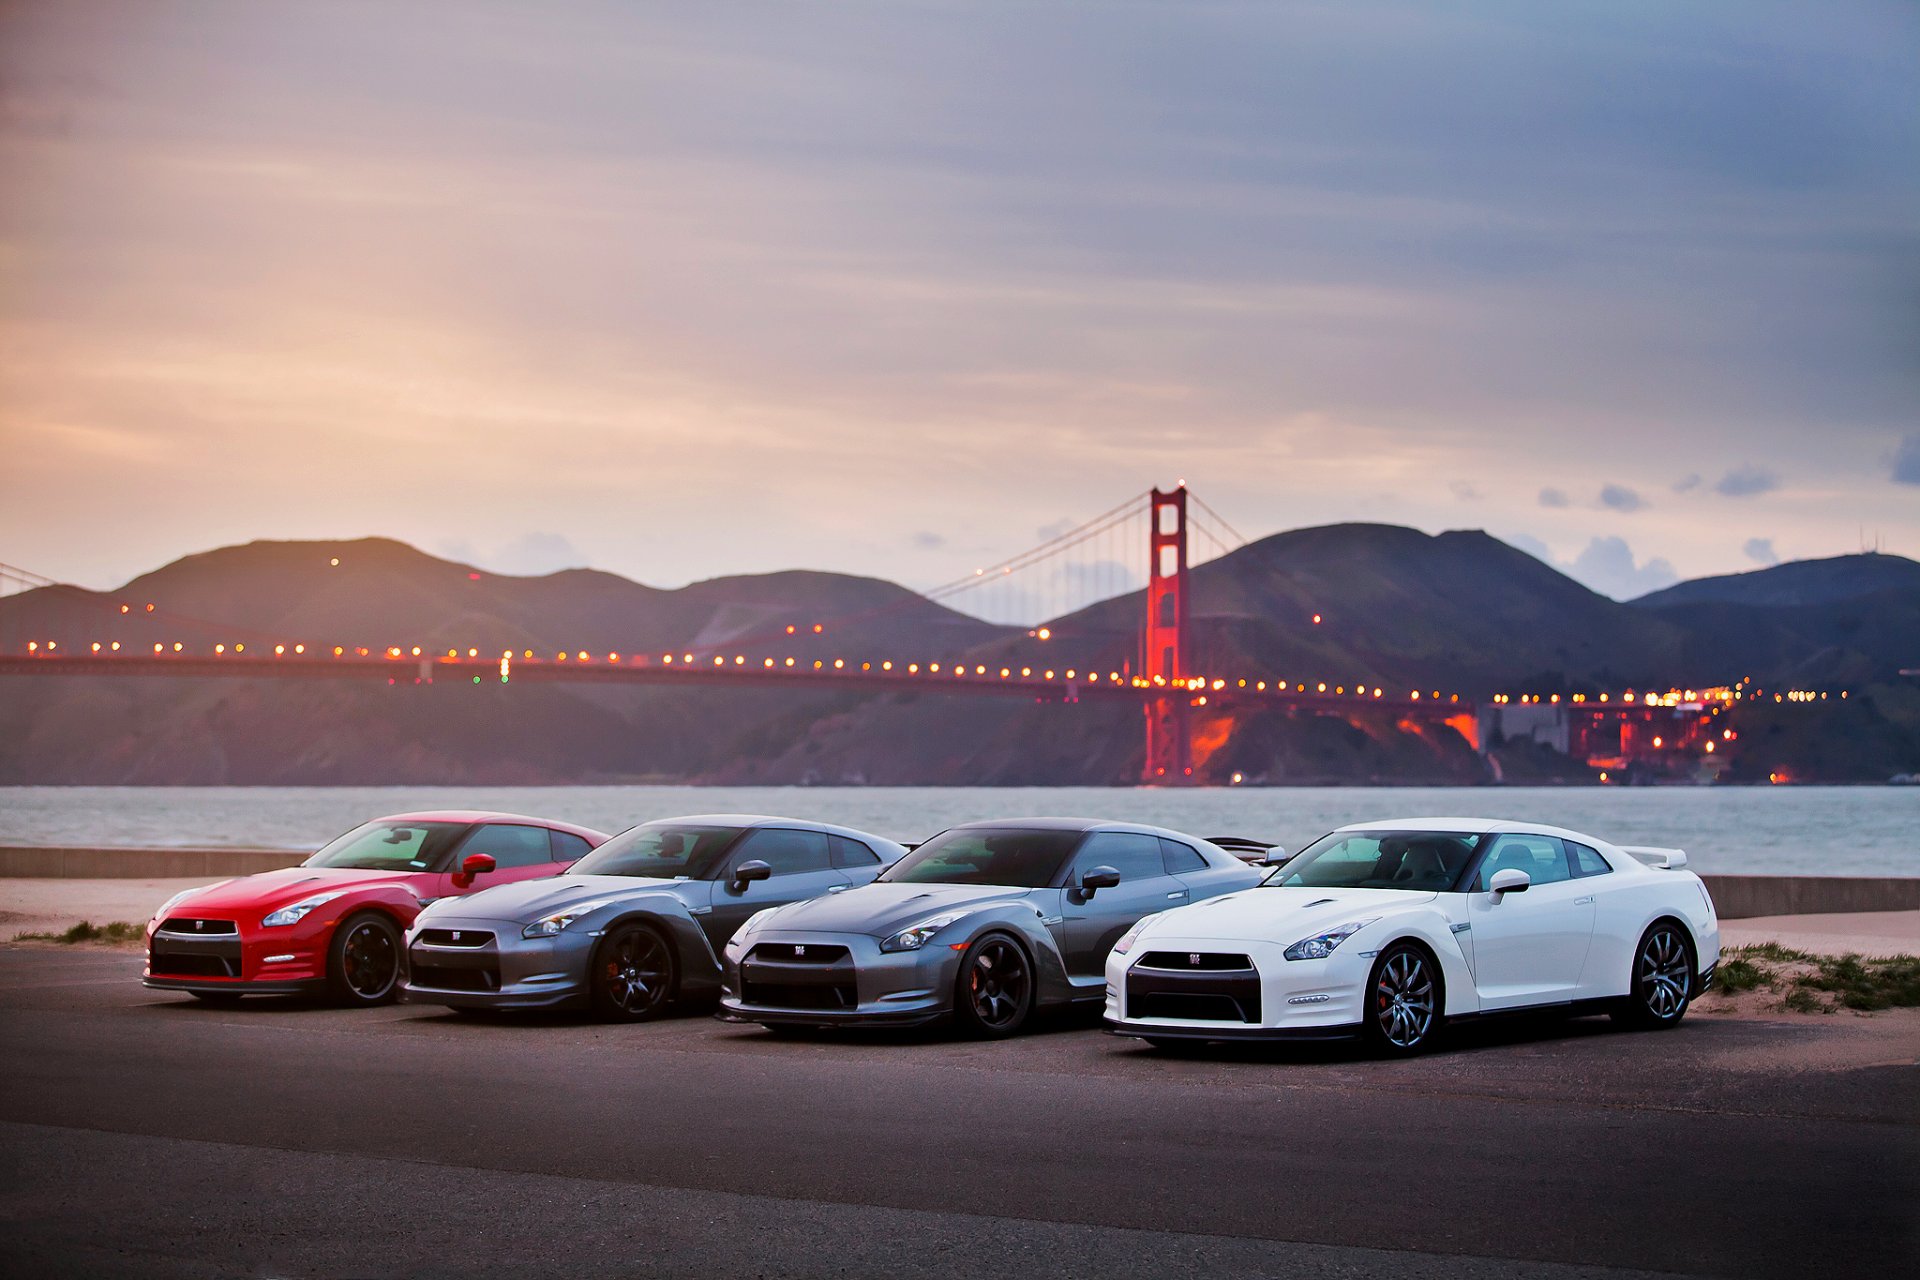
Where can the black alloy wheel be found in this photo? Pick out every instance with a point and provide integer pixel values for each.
(363, 964)
(995, 991)
(633, 974)
(1663, 978)
(1403, 1001)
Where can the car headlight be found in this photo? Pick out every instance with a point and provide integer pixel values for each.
(295, 913)
(915, 936)
(1321, 945)
(1128, 938)
(548, 926)
(160, 911)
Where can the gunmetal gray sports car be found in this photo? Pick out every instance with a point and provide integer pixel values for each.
(637, 925)
(984, 922)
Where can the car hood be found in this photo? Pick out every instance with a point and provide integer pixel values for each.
(1281, 915)
(883, 909)
(273, 889)
(525, 901)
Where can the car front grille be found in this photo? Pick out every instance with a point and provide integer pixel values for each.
(437, 977)
(194, 959)
(456, 937)
(199, 927)
(1199, 995)
(799, 953)
(799, 995)
(1195, 961)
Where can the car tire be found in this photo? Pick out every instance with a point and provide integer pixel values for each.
(216, 997)
(635, 974)
(363, 961)
(993, 995)
(1665, 979)
(1405, 1001)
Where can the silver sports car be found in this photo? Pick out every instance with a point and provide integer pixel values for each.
(635, 926)
(985, 922)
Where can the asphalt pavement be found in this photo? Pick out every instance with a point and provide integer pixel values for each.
(144, 1134)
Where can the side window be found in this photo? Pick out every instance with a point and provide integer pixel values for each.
(851, 853)
(510, 846)
(1586, 862)
(1181, 857)
(788, 852)
(1135, 857)
(1541, 857)
(567, 847)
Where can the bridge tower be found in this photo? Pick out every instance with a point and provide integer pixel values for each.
(1164, 654)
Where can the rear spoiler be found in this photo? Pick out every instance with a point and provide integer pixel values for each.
(1258, 852)
(1664, 859)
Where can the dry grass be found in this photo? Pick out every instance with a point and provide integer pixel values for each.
(1806, 983)
(118, 932)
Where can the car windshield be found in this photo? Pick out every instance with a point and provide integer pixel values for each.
(982, 855)
(1429, 860)
(662, 850)
(390, 845)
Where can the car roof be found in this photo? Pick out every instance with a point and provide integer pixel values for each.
(770, 820)
(1074, 824)
(487, 815)
(1472, 827)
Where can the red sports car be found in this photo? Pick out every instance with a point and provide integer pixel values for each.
(333, 925)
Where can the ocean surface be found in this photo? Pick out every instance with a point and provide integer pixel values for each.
(1771, 830)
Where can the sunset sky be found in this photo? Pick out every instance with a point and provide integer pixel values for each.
(679, 290)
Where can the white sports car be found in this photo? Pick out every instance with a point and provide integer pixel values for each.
(1389, 929)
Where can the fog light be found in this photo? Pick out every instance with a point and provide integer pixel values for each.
(276, 959)
(1319, 999)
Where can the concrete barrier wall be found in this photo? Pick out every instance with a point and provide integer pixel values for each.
(142, 864)
(1743, 897)
(1736, 897)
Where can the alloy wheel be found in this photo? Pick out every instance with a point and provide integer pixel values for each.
(639, 972)
(1666, 976)
(1403, 999)
(371, 962)
(998, 983)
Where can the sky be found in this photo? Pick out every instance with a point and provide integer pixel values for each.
(682, 290)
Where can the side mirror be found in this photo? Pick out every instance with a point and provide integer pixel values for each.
(1098, 878)
(477, 863)
(1274, 857)
(749, 871)
(1509, 880)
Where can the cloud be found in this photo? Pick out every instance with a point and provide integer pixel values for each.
(1621, 498)
(1553, 498)
(1906, 460)
(1607, 565)
(532, 554)
(1746, 481)
(1048, 532)
(1465, 491)
(1760, 551)
(1689, 482)
(927, 540)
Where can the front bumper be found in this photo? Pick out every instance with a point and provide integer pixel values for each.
(486, 964)
(237, 957)
(834, 980)
(1218, 989)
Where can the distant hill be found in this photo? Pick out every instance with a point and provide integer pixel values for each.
(1455, 612)
(1800, 582)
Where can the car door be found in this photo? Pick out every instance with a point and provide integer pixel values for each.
(1529, 947)
(519, 852)
(802, 863)
(1094, 922)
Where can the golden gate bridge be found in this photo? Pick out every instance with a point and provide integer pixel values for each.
(1165, 676)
